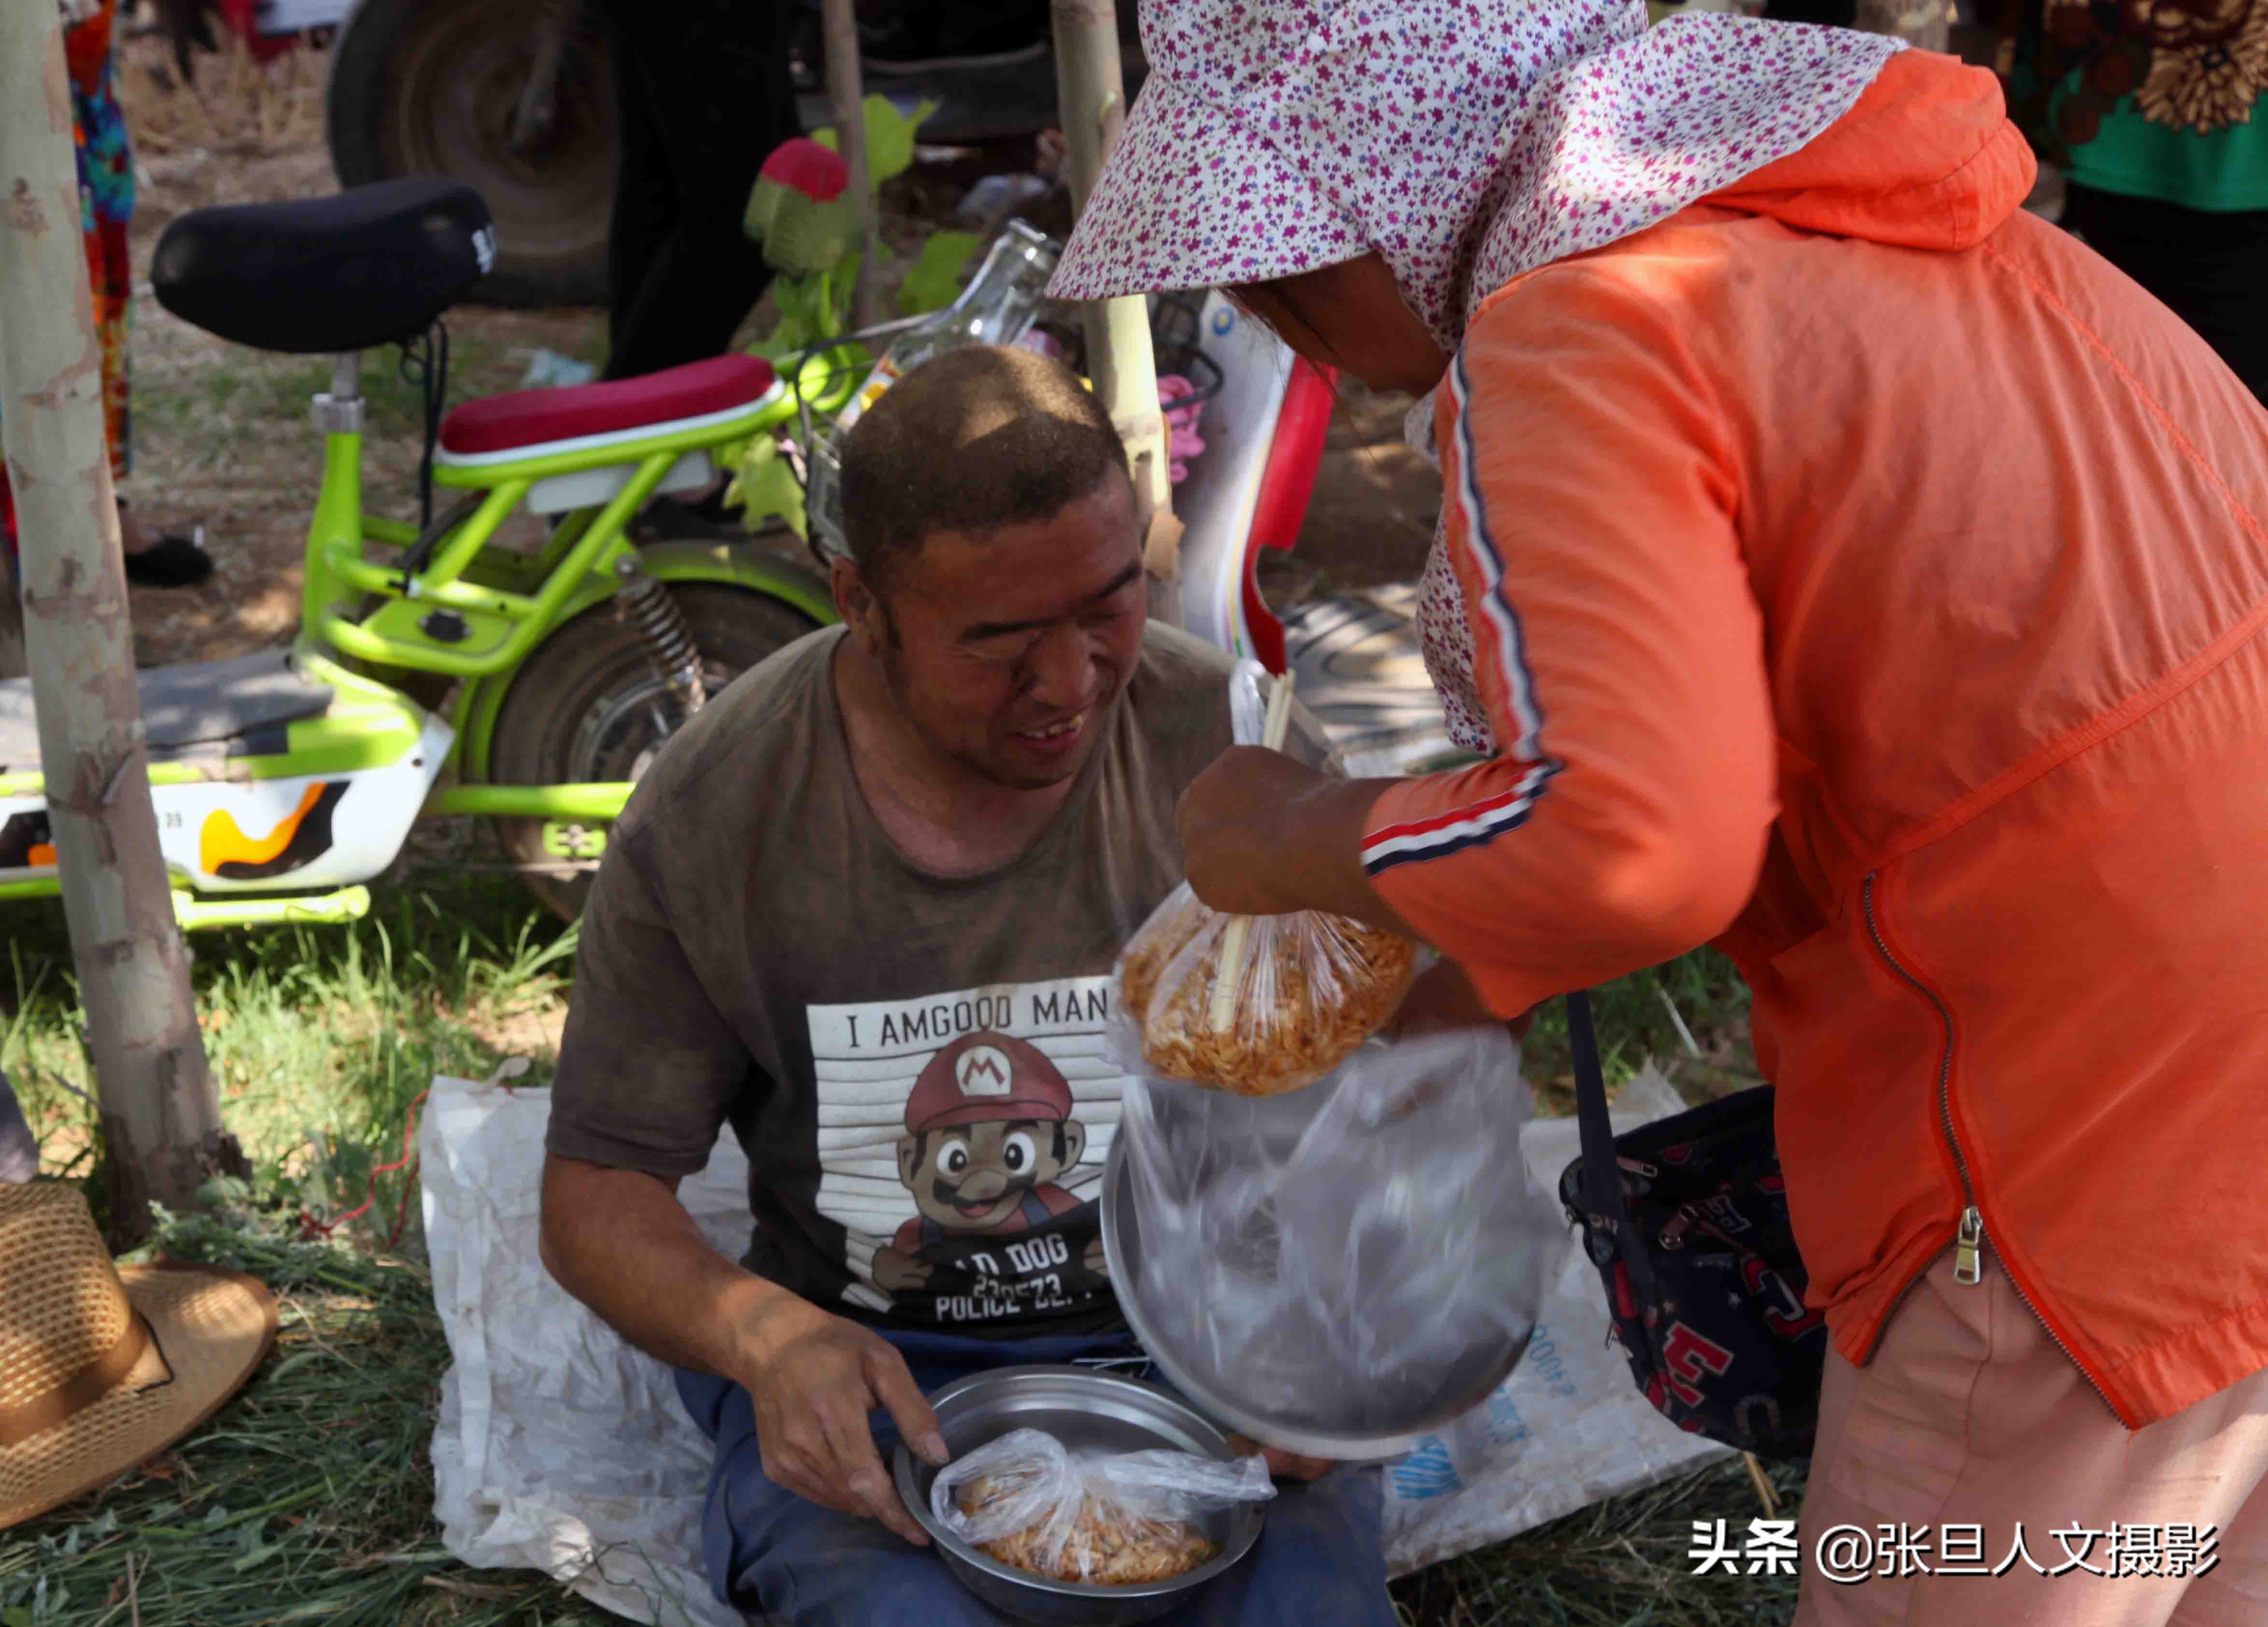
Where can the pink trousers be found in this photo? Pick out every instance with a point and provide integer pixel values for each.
(1969, 1423)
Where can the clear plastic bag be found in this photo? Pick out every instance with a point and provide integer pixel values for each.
(1306, 989)
(1112, 1520)
(1346, 1257)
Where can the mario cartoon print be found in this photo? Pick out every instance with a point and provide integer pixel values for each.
(988, 1135)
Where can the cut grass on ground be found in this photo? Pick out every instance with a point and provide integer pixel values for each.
(309, 1498)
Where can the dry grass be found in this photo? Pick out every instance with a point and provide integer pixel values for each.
(309, 1499)
(233, 105)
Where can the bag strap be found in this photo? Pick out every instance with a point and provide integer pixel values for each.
(1602, 1179)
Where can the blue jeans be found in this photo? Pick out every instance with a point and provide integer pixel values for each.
(1320, 1561)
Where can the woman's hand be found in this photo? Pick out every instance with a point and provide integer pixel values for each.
(1445, 998)
(1282, 1465)
(1263, 834)
(1230, 819)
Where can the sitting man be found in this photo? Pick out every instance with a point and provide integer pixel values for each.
(863, 910)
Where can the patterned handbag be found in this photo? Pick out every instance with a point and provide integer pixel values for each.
(1687, 1220)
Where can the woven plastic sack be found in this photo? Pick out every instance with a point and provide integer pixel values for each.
(1309, 987)
(1353, 1256)
(1108, 1518)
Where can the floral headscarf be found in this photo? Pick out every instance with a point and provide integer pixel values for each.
(1465, 141)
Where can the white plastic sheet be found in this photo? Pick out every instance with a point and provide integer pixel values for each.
(1568, 1427)
(561, 1448)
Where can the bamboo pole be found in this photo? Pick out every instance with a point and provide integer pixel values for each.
(1091, 93)
(161, 1121)
(1230, 966)
(846, 94)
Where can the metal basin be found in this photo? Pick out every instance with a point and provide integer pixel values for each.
(1086, 1411)
(1393, 1425)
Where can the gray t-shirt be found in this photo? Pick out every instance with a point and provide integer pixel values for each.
(915, 1065)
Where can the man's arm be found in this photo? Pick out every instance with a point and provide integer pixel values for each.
(647, 1071)
(620, 1241)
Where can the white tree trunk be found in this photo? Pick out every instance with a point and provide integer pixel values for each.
(161, 1121)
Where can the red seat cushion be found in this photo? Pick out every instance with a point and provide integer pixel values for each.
(530, 417)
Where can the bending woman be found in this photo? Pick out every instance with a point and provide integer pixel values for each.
(1845, 567)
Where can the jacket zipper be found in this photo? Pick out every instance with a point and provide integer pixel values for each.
(1968, 1241)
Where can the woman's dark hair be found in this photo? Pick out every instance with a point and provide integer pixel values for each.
(973, 440)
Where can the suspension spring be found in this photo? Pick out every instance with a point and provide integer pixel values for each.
(667, 637)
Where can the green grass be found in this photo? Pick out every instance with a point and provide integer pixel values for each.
(1634, 1023)
(319, 1038)
(245, 400)
(239, 431)
(310, 1496)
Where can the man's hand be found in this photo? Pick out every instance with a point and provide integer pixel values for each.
(814, 1377)
(622, 1243)
(1263, 834)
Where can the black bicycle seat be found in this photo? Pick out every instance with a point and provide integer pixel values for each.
(369, 266)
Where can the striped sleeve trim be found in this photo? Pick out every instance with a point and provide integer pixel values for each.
(1476, 824)
(1508, 641)
(1471, 826)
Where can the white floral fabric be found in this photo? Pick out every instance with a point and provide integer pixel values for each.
(1465, 141)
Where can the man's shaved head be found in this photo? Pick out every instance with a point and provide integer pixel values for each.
(975, 439)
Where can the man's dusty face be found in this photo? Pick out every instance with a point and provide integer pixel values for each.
(1012, 645)
(972, 1177)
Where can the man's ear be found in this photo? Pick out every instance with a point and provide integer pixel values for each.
(856, 604)
(910, 1157)
(1074, 1135)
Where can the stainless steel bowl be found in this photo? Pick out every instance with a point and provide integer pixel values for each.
(1464, 1386)
(1086, 1411)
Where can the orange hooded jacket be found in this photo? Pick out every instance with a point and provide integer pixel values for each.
(1868, 577)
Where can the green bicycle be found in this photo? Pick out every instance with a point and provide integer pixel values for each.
(538, 683)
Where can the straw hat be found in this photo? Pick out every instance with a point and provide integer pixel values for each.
(101, 1367)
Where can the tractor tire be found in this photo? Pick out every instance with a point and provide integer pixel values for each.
(430, 87)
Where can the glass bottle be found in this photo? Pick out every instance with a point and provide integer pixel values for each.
(995, 308)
